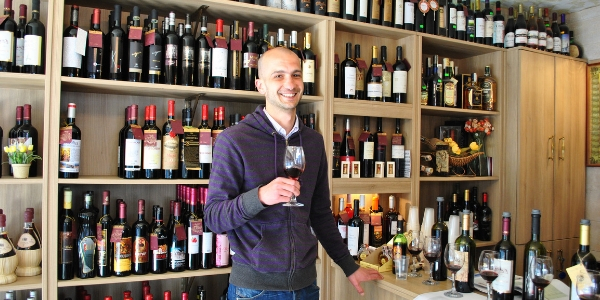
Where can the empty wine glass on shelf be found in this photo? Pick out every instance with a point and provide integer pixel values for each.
(431, 250)
(414, 248)
(541, 272)
(454, 260)
(293, 164)
(489, 267)
(588, 288)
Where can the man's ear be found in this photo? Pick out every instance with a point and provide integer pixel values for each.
(260, 86)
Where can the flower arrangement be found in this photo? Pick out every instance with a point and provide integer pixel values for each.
(455, 150)
(474, 126)
(20, 154)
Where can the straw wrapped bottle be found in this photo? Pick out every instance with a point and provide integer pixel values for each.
(8, 256)
(29, 251)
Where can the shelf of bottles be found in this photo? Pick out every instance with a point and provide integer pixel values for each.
(23, 283)
(22, 81)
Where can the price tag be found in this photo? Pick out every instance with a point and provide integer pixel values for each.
(376, 219)
(138, 134)
(382, 138)
(361, 64)
(3, 18)
(424, 6)
(176, 127)
(81, 40)
(95, 39)
(345, 217)
(220, 42)
(153, 241)
(407, 64)
(180, 232)
(377, 71)
(135, 33)
(363, 137)
(396, 139)
(388, 67)
(434, 5)
(336, 58)
(149, 37)
(465, 10)
(337, 137)
(117, 234)
(209, 40)
(235, 44)
(196, 227)
(66, 135)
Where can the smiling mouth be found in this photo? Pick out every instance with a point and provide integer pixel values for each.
(288, 94)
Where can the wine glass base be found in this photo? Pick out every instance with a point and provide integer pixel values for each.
(452, 294)
(297, 204)
(415, 274)
(430, 282)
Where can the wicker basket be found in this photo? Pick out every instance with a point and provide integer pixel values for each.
(456, 161)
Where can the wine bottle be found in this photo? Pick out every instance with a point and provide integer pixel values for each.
(532, 29)
(488, 16)
(153, 42)
(158, 244)
(348, 75)
(390, 221)
(374, 13)
(342, 221)
(386, 76)
(187, 44)
(70, 146)
(131, 146)
(250, 60)
(151, 159)
(564, 35)
(170, 146)
(219, 124)
(465, 277)
(86, 240)
(29, 135)
(117, 38)
(398, 151)
(347, 147)
(484, 215)
(19, 64)
(7, 32)
(374, 78)
(171, 52)
(135, 47)
(420, 15)
(193, 228)
(366, 143)
(509, 31)
(541, 30)
(474, 208)
(177, 241)
(361, 10)
(318, 7)
(203, 55)
(219, 58)
(66, 234)
(71, 60)
(449, 85)
(533, 248)
(308, 66)
(140, 263)
(235, 57)
(549, 34)
(8, 249)
(434, 86)
(507, 257)
(387, 12)
(265, 43)
(95, 49)
(583, 255)
(471, 21)
(121, 239)
(455, 207)
(348, 9)
(188, 147)
(104, 247)
(221, 243)
(556, 34)
(335, 161)
(461, 21)
(498, 27)
(360, 74)
(399, 78)
(355, 231)
(334, 7)
(205, 149)
(34, 46)
(400, 243)
(409, 15)
(451, 19)
(380, 146)
(440, 230)
(376, 225)
(520, 28)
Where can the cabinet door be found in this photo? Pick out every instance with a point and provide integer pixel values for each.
(569, 176)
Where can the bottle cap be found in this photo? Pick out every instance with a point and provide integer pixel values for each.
(23, 9)
(440, 199)
(141, 206)
(585, 222)
(85, 297)
(177, 209)
(107, 297)
(28, 217)
(2, 220)
(535, 212)
(123, 212)
(506, 214)
(106, 197)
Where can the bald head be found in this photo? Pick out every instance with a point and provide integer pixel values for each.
(274, 54)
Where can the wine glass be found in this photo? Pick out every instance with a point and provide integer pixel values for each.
(588, 289)
(489, 266)
(414, 248)
(432, 251)
(541, 273)
(293, 165)
(454, 260)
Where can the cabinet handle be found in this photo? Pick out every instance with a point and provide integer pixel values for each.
(551, 142)
(562, 148)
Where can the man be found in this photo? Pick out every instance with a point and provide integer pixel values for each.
(275, 250)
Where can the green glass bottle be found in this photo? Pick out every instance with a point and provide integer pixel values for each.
(465, 282)
(533, 248)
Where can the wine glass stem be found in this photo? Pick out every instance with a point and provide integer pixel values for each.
(430, 272)
(414, 264)
(453, 282)
(488, 291)
(540, 293)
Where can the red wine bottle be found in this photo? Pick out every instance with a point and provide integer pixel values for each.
(140, 263)
(250, 63)
(347, 147)
(193, 225)
(70, 146)
(349, 71)
(366, 143)
(342, 221)
(205, 141)
(95, 49)
(440, 230)
(219, 58)
(151, 160)
(177, 241)
(335, 162)
(219, 124)
(360, 74)
(484, 216)
(507, 257)
(34, 47)
(171, 59)
(208, 255)
(116, 38)
(308, 66)
(28, 133)
(135, 55)
(380, 150)
(153, 43)
(131, 146)
(121, 238)
(355, 231)
(465, 277)
(71, 60)
(189, 165)
(204, 50)
(12, 134)
(583, 255)
(8, 29)
(104, 248)
(86, 240)
(66, 233)
(170, 146)
(187, 50)
(158, 244)
(390, 221)
(398, 151)
(235, 57)
(399, 78)
(120, 146)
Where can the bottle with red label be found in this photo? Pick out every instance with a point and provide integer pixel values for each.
(141, 242)
(193, 226)
(121, 239)
(347, 149)
(158, 243)
(151, 158)
(205, 145)
(70, 146)
(86, 240)
(104, 248)
(66, 234)
(170, 146)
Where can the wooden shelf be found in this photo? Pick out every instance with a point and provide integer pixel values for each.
(453, 48)
(370, 185)
(353, 107)
(102, 86)
(117, 180)
(458, 178)
(137, 278)
(23, 283)
(454, 112)
(22, 81)
(371, 29)
(7, 180)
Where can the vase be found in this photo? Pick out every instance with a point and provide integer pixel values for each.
(479, 165)
(20, 170)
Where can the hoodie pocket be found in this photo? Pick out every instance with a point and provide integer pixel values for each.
(273, 253)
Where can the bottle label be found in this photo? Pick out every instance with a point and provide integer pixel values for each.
(489, 26)
(394, 229)
(204, 59)
(353, 241)
(503, 284)
(274, 3)
(170, 55)
(461, 21)
(397, 250)
(122, 261)
(542, 39)
(222, 253)
(205, 146)
(463, 274)
(219, 62)
(409, 12)
(532, 38)
(289, 5)
(400, 84)
(509, 40)
(349, 7)
(20, 52)
(386, 78)
(187, 59)
(25, 241)
(101, 247)
(66, 247)
(369, 148)
(193, 242)
(360, 80)
(87, 249)
(521, 36)
(549, 43)
(190, 148)
(333, 6)
(6, 246)
(136, 48)
(564, 41)
(215, 134)
(116, 54)
(452, 20)
(6, 45)
(498, 32)
(152, 147)
(398, 151)
(308, 70)
(69, 156)
(363, 8)
(251, 60)
(70, 58)
(140, 251)
(399, 16)
(155, 59)
(449, 94)
(349, 81)
(487, 96)
(32, 53)
(343, 229)
(177, 258)
(557, 44)
(133, 154)
(207, 242)
(375, 90)
(160, 253)
(170, 152)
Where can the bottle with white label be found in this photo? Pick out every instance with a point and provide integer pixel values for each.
(70, 146)
(355, 231)
(341, 224)
(29, 250)
(521, 28)
(498, 27)
(221, 242)
(399, 78)
(348, 75)
(374, 78)
(131, 146)
(409, 15)
(504, 284)
(71, 60)
(19, 66)
(308, 66)
(219, 58)
(151, 159)
(35, 42)
(390, 221)
(7, 39)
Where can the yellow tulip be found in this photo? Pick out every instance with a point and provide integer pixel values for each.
(474, 146)
(453, 144)
(6, 149)
(22, 148)
(30, 148)
(456, 149)
(13, 148)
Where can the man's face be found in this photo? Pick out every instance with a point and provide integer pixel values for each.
(280, 79)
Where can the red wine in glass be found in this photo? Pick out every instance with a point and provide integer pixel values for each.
(454, 268)
(293, 173)
(488, 276)
(431, 257)
(540, 282)
(414, 252)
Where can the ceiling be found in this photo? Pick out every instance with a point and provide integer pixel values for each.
(559, 6)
